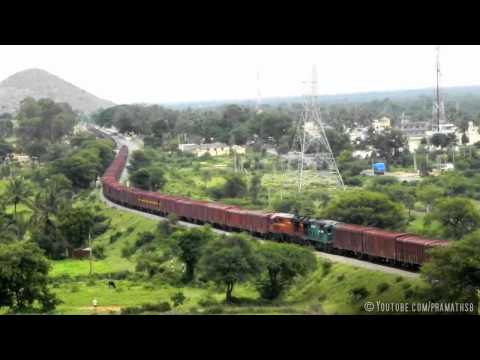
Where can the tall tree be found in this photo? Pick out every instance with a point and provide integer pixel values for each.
(458, 217)
(24, 277)
(229, 261)
(17, 191)
(282, 264)
(188, 245)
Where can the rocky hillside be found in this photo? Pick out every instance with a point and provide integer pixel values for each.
(39, 84)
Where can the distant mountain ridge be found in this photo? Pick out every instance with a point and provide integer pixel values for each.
(39, 84)
(450, 93)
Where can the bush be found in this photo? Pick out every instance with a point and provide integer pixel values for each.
(99, 229)
(99, 252)
(405, 286)
(409, 293)
(214, 310)
(130, 229)
(358, 293)
(382, 287)
(178, 299)
(144, 238)
(136, 310)
(340, 277)
(209, 300)
(326, 267)
(91, 282)
(120, 275)
(128, 251)
(398, 279)
(115, 237)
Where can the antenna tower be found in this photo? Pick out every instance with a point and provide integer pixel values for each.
(310, 146)
(438, 113)
(259, 95)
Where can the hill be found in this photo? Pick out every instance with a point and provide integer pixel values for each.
(39, 84)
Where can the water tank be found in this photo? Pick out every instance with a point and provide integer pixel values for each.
(379, 168)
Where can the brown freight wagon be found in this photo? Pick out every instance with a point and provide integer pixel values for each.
(380, 243)
(249, 220)
(411, 249)
(217, 213)
(349, 237)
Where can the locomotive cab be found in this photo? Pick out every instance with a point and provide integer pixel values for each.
(288, 224)
(320, 231)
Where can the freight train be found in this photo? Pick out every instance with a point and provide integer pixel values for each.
(368, 243)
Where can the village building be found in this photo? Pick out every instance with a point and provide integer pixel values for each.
(382, 124)
(214, 149)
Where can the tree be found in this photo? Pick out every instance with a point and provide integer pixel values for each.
(282, 263)
(17, 191)
(458, 217)
(139, 160)
(229, 261)
(443, 140)
(234, 186)
(429, 194)
(465, 139)
(389, 144)
(24, 277)
(188, 246)
(206, 176)
(366, 208)
(151, 178)
(75, 225)
(453, 272)
(255, 187)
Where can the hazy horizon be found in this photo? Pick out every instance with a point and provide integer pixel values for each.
(175, 74)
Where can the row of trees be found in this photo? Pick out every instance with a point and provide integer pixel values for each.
(230, 260)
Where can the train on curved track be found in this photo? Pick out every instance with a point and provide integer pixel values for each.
(368, 243)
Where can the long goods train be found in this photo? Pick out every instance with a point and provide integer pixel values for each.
(369, 243)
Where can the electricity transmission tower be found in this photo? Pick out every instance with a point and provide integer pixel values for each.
(311, 147)
(438, 112)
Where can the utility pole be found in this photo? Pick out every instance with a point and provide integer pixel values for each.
(90, 246)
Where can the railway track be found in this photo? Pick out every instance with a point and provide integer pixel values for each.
(332, 257)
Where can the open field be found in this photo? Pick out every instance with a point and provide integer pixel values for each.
(322, 292)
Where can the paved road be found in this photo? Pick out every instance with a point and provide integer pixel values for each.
(331, 257)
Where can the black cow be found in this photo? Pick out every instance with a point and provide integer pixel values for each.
(111, 284)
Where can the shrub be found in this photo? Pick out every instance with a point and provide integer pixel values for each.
(214, 310)
(326, 267)
(209, 300)
(178, 299)
(143, 239)
(74, 289)
(405, 286)
(135, 310)
(409, 293)
(340, 277)
(130, 229)
(398, 279)
(99, 229)
(91, 282)
(115, 237)
(382, 287)
(358, 293)
(99, 252)
(128, 251)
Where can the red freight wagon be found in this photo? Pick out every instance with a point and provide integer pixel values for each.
(412, 249)
(381, 243)
(217, 213)
(349, 237)
(254, 221)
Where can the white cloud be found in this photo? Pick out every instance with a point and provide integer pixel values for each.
(126, 74)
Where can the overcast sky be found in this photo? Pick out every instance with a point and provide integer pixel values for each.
(159, 74)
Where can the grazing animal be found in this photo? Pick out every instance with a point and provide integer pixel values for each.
(111, 284)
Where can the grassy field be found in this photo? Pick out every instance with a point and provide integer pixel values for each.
(322, 292)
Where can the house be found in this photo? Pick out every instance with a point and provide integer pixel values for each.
(214, 149)
(20, 158)
(382, 124)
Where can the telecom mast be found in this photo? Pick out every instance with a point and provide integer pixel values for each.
(311, 147)
(438, 113)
